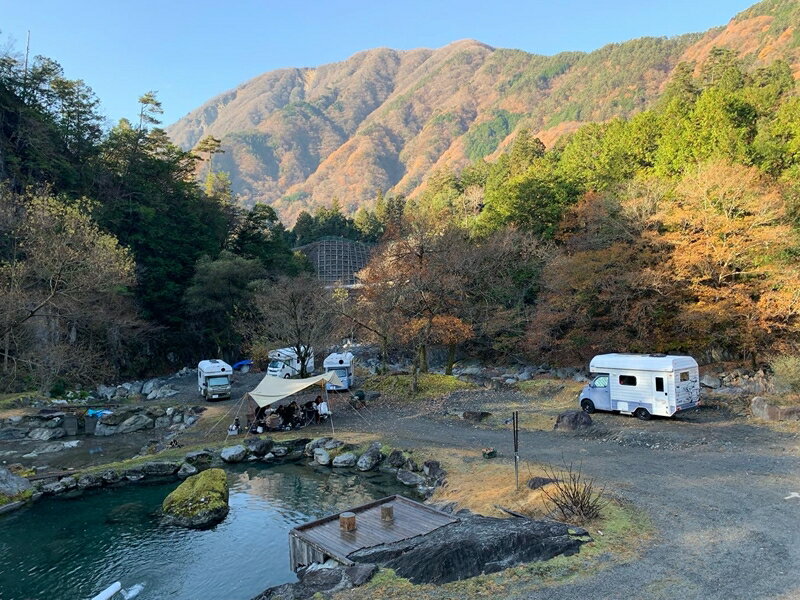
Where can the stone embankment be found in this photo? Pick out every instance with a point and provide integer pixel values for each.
(51, 425)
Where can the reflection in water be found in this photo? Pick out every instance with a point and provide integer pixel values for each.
(72, 549)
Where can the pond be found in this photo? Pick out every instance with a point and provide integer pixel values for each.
(75, 548)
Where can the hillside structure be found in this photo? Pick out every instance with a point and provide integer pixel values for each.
(336, 260)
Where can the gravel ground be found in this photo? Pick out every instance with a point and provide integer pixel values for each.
(714, 484)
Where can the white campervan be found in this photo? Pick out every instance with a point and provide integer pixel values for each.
(642, 384)
(342, 364)
(285, 364)
(214, 379)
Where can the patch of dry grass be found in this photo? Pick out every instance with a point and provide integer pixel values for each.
(430, 385)
(545, 399)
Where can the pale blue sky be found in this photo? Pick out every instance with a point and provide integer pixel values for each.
(190, 51)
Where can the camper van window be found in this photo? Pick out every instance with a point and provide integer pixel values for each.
(659, 384)
(275, 364)
(218, 380)
(600, 382)
(685, 376)
(340, 372)
(627, 380)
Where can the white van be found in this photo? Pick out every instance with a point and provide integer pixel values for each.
(214, 379)
(342, 364)
(284, 363)
(642, 384)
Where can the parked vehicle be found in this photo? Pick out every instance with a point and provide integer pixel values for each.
(342, 363)
(642, 384)
(214, 379)
(284, 363)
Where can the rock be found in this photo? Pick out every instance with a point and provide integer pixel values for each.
(13, 433)
(318, 581)
(105, 391)
(396, 459)
(472, 546)
(233, 454)
(524, 375)
(189, 419)
(348, 459)
(268, 457)
(12, 485)
(45, 433)
(316, 443)
(199, 458)
(258, 446)
(133, 475)
(135, 423)
(187, 470)
(510, 380)
(333, 444)
(201, 501)
(162, 422)
(88, 481)
(761, 408)
(710, 381)
(69, 483)
(177, 417)
(321, 456)
(117, 417)
(155, 412)
(149, 386)
(370, 459)
(110, 476)
(475, 415)
(160, 468)
(408, 478)
(410, 465)
(580, 378)
(534, 483)
(471, 371)
(434, 470)
(280, 451)
(572, 420)
(53, 488)
(102, 429)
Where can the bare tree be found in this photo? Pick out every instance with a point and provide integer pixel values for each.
(296, 312)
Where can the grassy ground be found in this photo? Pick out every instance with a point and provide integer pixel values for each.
(430, 385)
(543, 400)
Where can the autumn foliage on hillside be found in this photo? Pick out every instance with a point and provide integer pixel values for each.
(676, 230)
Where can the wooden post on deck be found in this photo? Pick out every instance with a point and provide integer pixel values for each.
(387, 513)
(347, 521)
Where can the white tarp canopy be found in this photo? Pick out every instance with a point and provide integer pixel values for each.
(272, 389)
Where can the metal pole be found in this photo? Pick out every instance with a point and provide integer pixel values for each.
(330, 409)
(515, 421)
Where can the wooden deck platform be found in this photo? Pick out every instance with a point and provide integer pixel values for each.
(322, 539)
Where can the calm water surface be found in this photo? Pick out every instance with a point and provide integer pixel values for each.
(72, 549)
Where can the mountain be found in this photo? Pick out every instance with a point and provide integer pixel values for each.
(385, 119)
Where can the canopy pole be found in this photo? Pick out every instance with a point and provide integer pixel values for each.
(330, 409)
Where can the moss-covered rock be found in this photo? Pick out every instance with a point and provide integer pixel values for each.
(199, 502)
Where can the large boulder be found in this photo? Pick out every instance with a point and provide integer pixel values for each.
(199, 458)
(233, 454)
(710, 381)
(187, 470)
(434, 470)
(135, 423)
(316, 443)
(762, 409)
(117, 416)
(321, 581)
(46, 433)
(88, 481)
(396, 459)
(13, 433)
(258, 446)
(472, 546)
(321, 457)
(160, 468)
(199, 502)
(101, 429)
(149, 386)
(12, 486)
(409, 478)
(572, 420)
(370, 459)
(348, 459)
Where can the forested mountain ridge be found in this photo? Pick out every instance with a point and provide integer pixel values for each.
(385, 119)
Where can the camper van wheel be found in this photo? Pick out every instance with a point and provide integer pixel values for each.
(587, 406)
(286, 376)
(642, 414)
